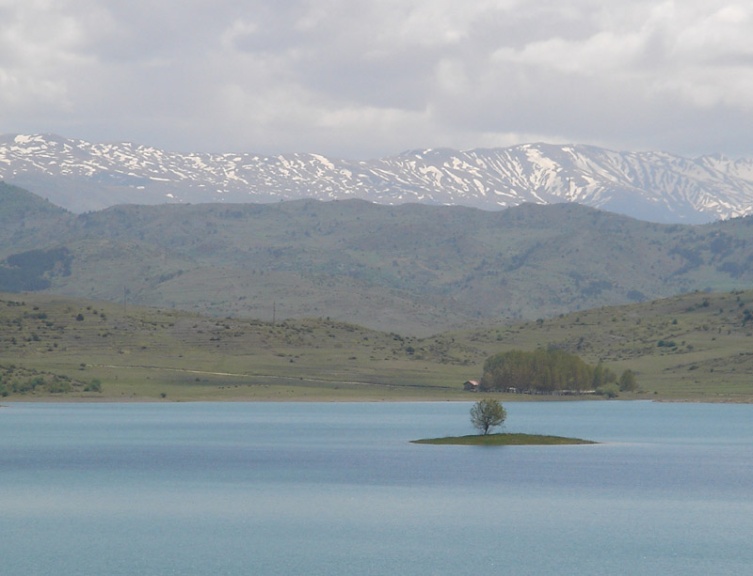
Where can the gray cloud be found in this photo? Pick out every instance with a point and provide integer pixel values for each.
(365, 78)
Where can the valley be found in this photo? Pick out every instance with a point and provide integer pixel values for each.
(349, 300)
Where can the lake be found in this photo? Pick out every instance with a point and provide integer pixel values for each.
(338, 489)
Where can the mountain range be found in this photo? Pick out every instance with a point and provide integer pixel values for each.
(412, 269)
(653, 186)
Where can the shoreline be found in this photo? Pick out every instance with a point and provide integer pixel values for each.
(325, 398)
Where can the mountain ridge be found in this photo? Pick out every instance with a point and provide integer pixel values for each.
(654, 186)
(411, 268)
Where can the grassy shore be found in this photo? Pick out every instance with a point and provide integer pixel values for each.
(503, 439)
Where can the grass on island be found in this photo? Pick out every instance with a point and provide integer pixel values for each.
(504, 439)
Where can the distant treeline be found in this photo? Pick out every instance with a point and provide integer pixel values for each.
(548, 371)
(32, 270)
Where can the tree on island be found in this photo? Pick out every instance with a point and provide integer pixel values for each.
(487, 414)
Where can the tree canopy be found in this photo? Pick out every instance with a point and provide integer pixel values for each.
(486, 414)
(546, 371)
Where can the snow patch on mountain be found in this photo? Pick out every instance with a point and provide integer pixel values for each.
(654, 186)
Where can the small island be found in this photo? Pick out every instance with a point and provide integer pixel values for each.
(503, 439)
(489, 413)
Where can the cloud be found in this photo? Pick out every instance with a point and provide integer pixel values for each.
(365, 78)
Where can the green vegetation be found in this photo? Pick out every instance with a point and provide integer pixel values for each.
(19, 381)
(94, 349)
(412, 270)
(503, 440)
(349, 300)
(107, 351)
(712, 359)
(34, 269)
(29, 222)
(548, 371)
(487, 414)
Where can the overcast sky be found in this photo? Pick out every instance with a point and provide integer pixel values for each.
(369, 78)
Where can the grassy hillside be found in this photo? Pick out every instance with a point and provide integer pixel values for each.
(28, 221)
(411, 269)
(696, 346)
(416, 269)
(144, 353)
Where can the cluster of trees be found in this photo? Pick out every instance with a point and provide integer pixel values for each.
(32, 270)
(548, 371)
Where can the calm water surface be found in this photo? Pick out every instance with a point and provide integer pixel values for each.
(337, 489)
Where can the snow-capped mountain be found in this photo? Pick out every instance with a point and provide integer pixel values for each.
(661, 187)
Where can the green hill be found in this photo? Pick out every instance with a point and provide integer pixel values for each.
(412, 269)
(693, 347)
(697, 345)
(28, 221)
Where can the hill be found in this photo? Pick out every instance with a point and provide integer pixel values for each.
(26, 220)
(53, 345)
(691, 347)
(411, 269)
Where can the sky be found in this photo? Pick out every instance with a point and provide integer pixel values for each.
(362, 79)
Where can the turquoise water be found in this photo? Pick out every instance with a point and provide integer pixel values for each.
(337, 489)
